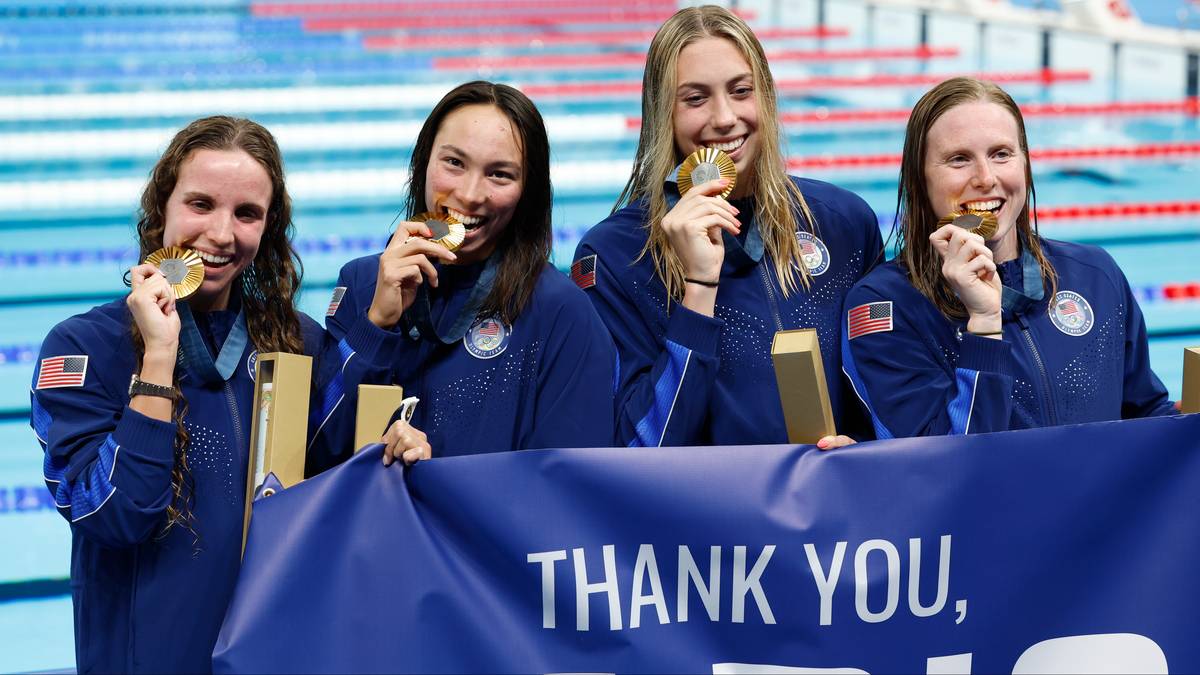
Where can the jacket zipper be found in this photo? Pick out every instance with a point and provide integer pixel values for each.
(766, 279)
(1047, 392)
(237, 419)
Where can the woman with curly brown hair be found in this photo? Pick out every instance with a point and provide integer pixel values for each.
(143, 405)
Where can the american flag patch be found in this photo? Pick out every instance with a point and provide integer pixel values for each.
(490, 328)
(62, 371)
(338, 294)
(873, 317)
(583, 271)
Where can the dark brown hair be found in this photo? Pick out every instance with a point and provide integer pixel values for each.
(916, 219)
(526, 242)
(267, 287)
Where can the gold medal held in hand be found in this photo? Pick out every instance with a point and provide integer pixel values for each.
(704, 165)
(182, 267)
(983, 223)
(446, 230)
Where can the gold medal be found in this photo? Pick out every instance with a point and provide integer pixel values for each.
(983, 223)
(704, 165)
(182, 267)
(446, 229)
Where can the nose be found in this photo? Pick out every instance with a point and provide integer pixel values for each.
(220, 229)
(472, 190)
(722, 113)
(983, 178)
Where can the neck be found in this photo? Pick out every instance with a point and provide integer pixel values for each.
(1005, 249)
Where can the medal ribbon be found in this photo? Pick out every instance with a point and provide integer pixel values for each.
(1018, 302)
(196, 355)
(420, 315)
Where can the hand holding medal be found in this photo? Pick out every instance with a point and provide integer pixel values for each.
(167, 275)
(983, 223)
(967, 262)
(182, 267)
(407, 262)
(694, 225)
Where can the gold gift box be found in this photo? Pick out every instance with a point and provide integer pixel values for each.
(279, 431)
(1191, 380)
(802, 389)
(376, 405)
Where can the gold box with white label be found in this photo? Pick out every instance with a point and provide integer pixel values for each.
(803, 393)
(1191, 380)
(376, 405)
(279, 427)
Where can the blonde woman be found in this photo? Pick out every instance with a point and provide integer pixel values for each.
(693, 287)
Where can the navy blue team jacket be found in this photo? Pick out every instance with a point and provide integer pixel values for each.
(145, 602)
(689, 379)
(1079, 357)
(544, 382)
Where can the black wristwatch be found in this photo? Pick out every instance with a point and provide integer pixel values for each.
(137, 387)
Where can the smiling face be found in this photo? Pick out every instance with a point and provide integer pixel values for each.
(476, 174)
(715, 105)
(218, 208)
(973, 159)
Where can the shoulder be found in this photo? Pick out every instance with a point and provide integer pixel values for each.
(1074, 262)
(366, 266)
(556, 296)
(888, 281)
(833, 201)
(101, 329)
(621, 232)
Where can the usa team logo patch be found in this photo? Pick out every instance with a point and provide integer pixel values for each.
(583, 271)
(873, 317)
(487, 339)
(62, 371)
(336, 300)
(250, 363)
(1071, 313)
(813, 252)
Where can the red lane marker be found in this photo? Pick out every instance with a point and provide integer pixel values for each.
(1142, 210)
(1188, 106)
(1145, 151)
(509, 19)
(543, 38)
(793, 86)
(638, 59)
(270, 9)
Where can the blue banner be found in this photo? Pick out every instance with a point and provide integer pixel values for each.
(1073, 549)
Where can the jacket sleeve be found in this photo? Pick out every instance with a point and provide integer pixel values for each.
(664, 386)
(907, 386)
(1144, 394)
(576, 379)
(107, 466)
(351, 351)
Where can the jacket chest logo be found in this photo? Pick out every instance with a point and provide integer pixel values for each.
(813, 252)
(251, 361)
(1071, 313)
(487, 338)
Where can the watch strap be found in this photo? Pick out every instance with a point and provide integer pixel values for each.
(139, 387)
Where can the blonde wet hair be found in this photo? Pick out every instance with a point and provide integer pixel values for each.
(779, 206)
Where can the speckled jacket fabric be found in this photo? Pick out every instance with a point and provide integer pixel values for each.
(689, 379)
(1078, 357)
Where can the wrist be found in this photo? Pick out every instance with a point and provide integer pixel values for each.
(386, 322)
(987, 325)
(701, 299)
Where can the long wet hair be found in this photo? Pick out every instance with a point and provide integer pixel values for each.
(527, 241)
(267, 287)
(779, 206)
(916, 219)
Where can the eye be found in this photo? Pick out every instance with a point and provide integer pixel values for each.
(1004, 154)
(743, 91)
(453, 161)
(958, 160)
(695, 100)
(249, 214)
(200, 204)
(503, 175)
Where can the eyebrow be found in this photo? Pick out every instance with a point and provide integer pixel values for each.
(698, 85)
(513, 166)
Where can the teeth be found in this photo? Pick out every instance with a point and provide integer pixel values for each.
(464, 218)
(728, 147)
(214, 259)
(984, 205)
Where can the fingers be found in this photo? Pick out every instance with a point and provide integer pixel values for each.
(702, 212)
(833, 442)
(405, 442)
(412, 238)
(712, 188)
